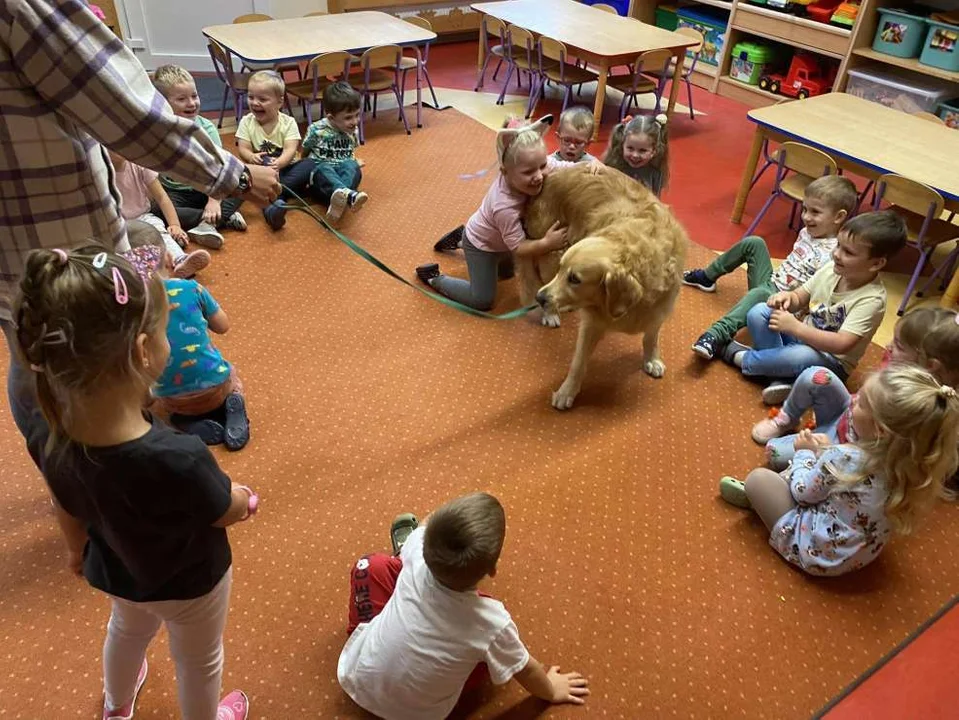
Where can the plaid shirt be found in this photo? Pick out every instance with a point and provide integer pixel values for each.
(67, 84)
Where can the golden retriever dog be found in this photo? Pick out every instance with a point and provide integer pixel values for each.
(622, 272)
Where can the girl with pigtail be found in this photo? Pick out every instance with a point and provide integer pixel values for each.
(142, 507)
(639, 147)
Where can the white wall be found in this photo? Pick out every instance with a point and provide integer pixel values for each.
(170, 31)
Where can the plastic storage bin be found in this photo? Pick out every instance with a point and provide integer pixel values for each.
(666, 17)
(899, 33)
(949, 112)
(940, 50)
(750, 60)
(899, 89)
(711, 22)
(622, 6)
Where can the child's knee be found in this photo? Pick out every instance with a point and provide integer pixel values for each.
(758, 312)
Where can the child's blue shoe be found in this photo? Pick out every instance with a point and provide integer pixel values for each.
(697, 279)
(275, 214)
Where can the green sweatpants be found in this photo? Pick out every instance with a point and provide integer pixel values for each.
(751, 250)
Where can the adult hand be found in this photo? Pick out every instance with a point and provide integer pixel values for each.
(782, 321)
(555, 237)
(211, 213)
(264, 185)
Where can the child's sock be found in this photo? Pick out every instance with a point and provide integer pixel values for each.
(734, 352)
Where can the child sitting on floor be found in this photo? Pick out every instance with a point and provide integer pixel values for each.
(138, 186)
(420, 631)
(833, 510)
(200, 215)
(827, 203)
(495, 231)
(639, 147)
(265, 136)
(844, 303)
(575, 134)
(330, 143)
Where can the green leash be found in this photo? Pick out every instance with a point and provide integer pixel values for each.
(370, 258)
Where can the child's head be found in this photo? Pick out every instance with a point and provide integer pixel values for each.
(640, 141)
(178, 87)
(522, 154)
(464, 539)
(266, 90)
(867, 242)
(928, 337)
(88, 324)
(827, 202)
(908, 427)
(575, 132)
(342, 102)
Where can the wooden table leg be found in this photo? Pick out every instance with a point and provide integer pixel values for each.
(677, 79)
(419, 87)
(600, 97)
(751, 161)
(481, 53)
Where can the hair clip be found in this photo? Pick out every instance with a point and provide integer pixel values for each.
(120, 291)
(627, 120)
(947, 391)
(55, 337)
(62, 254)
(100, 260)
(662, 118)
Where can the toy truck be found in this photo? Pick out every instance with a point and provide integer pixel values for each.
(806, 77)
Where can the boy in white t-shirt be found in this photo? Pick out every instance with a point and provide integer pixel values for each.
(827, 203)
(420, 631)
(265, 136)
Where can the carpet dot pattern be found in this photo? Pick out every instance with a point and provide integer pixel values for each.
(367, 399)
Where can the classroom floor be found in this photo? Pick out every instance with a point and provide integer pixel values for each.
(368, 399)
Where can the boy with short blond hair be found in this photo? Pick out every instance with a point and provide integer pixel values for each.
(266, 136)
(200, 215)
(575, 132)
(827, 203)
(420, 629)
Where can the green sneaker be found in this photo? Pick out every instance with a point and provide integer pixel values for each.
(403, 525)
(733, 491)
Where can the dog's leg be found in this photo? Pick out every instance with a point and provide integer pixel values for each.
(652, 361)
(590, 333)
(546, 268)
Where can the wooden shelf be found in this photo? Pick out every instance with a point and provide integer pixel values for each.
(907, 63)
(798, 32)
(724, 4)
(792, 19)
(751, 95)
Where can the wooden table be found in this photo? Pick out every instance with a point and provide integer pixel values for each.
(604, 39)
(276, 41)
(865, 138)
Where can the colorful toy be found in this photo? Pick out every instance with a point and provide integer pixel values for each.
(845, 15)
(806, 77)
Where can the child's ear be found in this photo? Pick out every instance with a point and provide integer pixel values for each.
(878, 264)
(841, 216)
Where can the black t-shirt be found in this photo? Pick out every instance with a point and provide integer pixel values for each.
(149, 506)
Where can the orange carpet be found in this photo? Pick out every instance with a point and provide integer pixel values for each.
(367, 399)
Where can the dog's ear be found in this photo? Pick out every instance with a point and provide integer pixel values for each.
(621, 291)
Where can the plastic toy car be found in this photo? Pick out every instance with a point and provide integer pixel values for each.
(806, 77)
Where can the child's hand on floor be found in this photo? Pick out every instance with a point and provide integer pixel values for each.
(782, 321)
(808, 440)
(178, 234)
(567, 687)
(211, 213)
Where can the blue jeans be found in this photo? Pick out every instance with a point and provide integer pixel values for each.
(328, 177)
(820, 389)
(296, 177)
(777, 355)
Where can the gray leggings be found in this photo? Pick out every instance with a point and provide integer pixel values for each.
(485, 268)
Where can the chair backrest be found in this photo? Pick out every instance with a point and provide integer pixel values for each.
(807, 160)
(553, 49)
(923, 115)
(331, 64)
(653, 61)
(695, 35)
(222, 62)
(419, 22)
(251, 17)
(495, 27)
(606, 8)
(316, 14)
(909, 195)
(381, 56)
(521, 39)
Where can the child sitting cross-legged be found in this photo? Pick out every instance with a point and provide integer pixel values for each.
(421, 633)
(833, 510)
(842, 306)
(827, 203)
(330, 143)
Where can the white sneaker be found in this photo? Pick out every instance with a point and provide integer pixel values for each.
(206, 235)
(236, 222)
(190, 264)
(338, 203)
(357, 200)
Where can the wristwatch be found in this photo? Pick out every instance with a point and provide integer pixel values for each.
(246, 181)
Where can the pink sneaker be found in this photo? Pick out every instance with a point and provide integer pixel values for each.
(234, 706)
(190, 264)
(773, 427)
(126, 711)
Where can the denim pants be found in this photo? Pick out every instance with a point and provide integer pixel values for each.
(296, 177)
(778, 355)
(329, 177)
(822, 390)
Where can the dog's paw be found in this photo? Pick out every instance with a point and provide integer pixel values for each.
(563, 399)
(550, 320)
(655, 368)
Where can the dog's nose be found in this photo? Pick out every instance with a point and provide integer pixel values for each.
(541, 298)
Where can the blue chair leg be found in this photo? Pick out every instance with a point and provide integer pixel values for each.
(502, 93)
(689, 94)
(756, 220)
(499, 64)
(923, 257)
